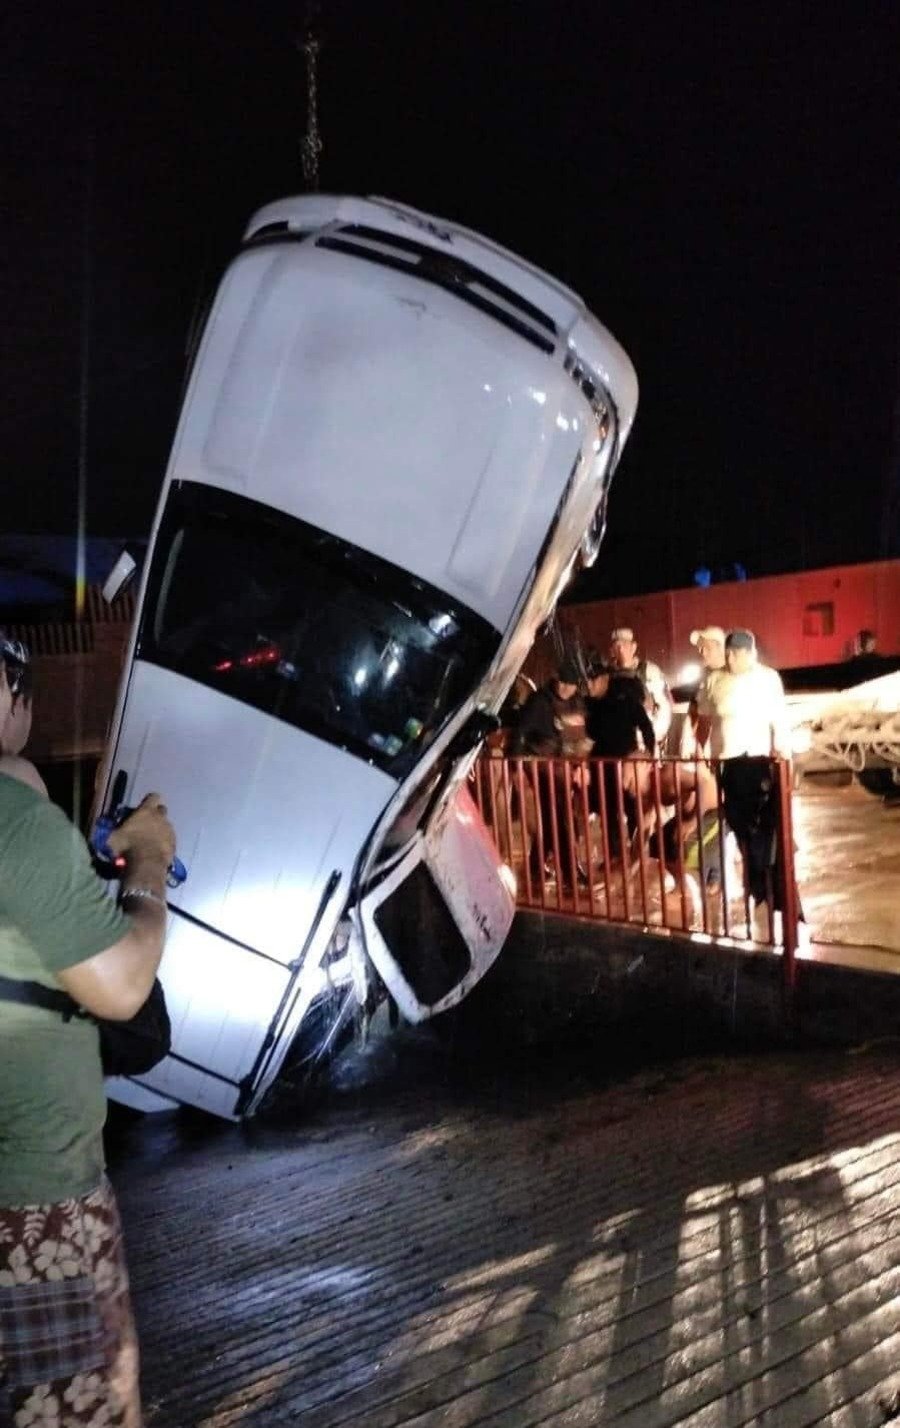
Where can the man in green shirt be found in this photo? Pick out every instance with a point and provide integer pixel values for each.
(68, 1351)
(15, 729)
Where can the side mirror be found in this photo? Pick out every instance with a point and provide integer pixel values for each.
(479, 724)
(120, 577)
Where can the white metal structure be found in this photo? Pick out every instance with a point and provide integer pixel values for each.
(860, 727)
(396, 443)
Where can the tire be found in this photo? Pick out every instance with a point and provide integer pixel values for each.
(878, 782)
(326, 1029)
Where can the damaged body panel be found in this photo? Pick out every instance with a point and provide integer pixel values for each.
(396, 444)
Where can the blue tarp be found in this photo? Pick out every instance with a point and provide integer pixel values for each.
(40, 570)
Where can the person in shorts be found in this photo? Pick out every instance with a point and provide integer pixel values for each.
(68, 1349)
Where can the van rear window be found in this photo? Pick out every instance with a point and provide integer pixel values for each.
(304, 626)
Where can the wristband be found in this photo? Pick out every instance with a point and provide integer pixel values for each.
(142, 893)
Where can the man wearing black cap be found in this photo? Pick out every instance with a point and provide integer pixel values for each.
(551, 722)
(552, 725)
(748, 726)
(745, 703)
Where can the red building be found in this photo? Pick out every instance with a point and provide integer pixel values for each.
(811, 618)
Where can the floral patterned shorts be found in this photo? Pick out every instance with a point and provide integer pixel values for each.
(68, 1349)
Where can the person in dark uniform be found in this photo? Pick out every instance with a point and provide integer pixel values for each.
(551, 725)
(866, 663)
(619, 726)
(617, 721)
(625, 663)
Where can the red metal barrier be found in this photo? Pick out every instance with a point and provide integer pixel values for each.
(790, 897)
(640, 841)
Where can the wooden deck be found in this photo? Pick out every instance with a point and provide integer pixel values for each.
(710, 1245)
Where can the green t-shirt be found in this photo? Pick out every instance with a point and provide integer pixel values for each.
(54, 913)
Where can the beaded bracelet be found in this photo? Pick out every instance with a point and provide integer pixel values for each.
(146, 893)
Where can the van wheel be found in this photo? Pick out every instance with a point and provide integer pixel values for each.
(302, 1081)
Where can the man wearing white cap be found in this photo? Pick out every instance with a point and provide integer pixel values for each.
(624, 661)
(710, 646)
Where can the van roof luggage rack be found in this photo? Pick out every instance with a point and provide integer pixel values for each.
(444, 270)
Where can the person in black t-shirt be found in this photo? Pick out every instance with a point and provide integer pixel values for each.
(617, 721)
(551, 724)
(619, 726)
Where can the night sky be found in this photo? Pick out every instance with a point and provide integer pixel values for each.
(720, 182)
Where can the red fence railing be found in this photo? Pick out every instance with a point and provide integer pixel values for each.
(647, 842)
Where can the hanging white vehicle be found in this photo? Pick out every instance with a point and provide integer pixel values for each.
(395, 446)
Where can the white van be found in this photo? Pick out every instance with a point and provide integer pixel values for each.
(396, 443)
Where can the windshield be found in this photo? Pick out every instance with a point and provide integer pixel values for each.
(305, 627)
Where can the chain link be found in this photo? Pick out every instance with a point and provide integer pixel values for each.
(311, 145)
